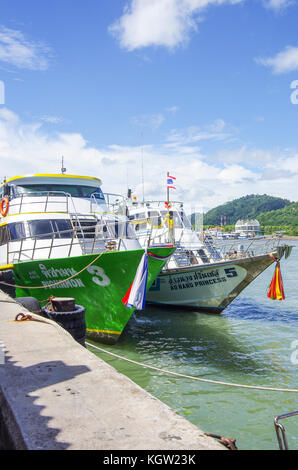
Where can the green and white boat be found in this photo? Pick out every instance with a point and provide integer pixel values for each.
(200, 275)
(58, 238)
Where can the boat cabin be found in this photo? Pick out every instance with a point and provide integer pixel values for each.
(58, 215)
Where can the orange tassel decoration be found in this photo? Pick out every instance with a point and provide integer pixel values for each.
(276, 289)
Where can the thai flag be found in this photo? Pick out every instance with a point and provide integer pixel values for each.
(170, 181)
(136, 294)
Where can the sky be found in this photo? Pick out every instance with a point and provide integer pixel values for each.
(128, 90)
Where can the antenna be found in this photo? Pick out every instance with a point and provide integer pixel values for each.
(63, 169)
(142, 156)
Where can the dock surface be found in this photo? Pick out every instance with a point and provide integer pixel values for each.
(55, 394)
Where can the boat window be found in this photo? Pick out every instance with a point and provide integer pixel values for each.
(46, 228)
(3, 235)
(54, 189)
(63, 227)
(43, 228)
(88, 191)
(37, 189)
(16, 231)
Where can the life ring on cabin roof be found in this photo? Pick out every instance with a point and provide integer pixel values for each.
(4, 206)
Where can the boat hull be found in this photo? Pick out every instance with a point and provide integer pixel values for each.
(209, 288)
(98, 283)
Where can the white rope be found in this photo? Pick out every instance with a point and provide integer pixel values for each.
(254, 387)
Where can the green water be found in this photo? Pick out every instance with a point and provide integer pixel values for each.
(250, 343)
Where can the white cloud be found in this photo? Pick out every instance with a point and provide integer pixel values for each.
(52, 119)
(216, 131)
(236, 174)
(167, 23)
(22, 53)
(152, 121)
(284, 61)
(172, 109)
(202, 181)
(278, 5)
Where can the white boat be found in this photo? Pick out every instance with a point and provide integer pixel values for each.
(198, 275)
(57, 239)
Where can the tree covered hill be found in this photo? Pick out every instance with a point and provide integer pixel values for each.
(286, 216)
(248, 207)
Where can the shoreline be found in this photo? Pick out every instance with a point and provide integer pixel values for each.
(289, 237)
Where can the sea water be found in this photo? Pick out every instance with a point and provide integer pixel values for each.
(253, 342)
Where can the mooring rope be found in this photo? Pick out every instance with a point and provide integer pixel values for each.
(177, 374)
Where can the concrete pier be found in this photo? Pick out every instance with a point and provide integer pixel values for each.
(55, 394)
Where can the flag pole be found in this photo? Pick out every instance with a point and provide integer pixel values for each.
(170, 215)
(168, 191)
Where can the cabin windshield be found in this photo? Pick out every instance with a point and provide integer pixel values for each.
(55, 189)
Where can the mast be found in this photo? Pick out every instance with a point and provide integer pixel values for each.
(63, 169)
(168, 191)
(170, 214)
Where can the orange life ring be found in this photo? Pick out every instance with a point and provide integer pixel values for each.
(4, 205)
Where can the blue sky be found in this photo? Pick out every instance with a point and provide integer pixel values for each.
(199, 88)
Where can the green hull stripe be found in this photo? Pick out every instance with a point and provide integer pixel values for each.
(100, 288)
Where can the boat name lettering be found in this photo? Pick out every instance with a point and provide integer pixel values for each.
(64, 285)
(198, 279)
(33, 275)
(196, 276)
(204, 282)
(55, 273)
(231, 272)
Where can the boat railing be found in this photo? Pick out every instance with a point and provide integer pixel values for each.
(117, 202)
(192, 253)
(102, 235)
(47, 201)
(43, 198)
(232, 249)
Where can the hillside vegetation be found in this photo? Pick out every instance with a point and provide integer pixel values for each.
(268, 210)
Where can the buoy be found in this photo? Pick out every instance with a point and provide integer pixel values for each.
(4, 206)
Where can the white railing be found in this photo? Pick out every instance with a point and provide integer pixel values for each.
(98, 237)
(54, 201)
(208, 253)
